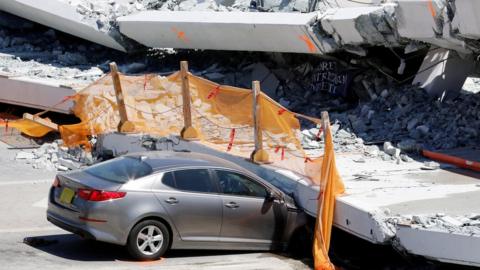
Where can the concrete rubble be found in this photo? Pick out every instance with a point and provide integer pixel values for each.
(468, 225)
(55, 157)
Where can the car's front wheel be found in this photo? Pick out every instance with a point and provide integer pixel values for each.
(148, 240)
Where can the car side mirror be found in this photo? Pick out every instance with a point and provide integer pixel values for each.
(271, 196)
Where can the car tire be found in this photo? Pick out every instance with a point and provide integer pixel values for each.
(148, 240)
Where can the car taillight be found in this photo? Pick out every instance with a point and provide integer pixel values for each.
(56, 182)
(99, 195)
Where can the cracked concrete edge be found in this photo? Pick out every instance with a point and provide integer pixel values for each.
(349, 28)
(63, 17)
(450, 25)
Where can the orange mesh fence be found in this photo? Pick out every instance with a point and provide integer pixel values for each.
(29, 127)
(222, 115)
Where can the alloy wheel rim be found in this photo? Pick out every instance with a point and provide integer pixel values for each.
(149, 240)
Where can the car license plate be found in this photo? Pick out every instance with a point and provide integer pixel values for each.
(67, 195)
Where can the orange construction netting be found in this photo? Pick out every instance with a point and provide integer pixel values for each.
(222, 115)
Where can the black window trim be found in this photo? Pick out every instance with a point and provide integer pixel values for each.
(173, 170)
(217, 181)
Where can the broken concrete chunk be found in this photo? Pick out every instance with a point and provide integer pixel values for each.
(421, 220)
(391, 150)
(72, 165)
(405, 158)
(423, 129)
(372, 151)
(412, 123)
(24, 155)
(430, 165)
(61, 168)
(452, 221)
(268, 81)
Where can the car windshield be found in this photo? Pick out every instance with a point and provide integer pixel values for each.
(120, 170)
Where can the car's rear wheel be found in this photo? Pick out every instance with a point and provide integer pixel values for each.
(148, 240)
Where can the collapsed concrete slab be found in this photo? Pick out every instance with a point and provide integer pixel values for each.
(467, 21)
(360, 25)
(272, 32)
(443, 72)
(442, 246)
(374, 207)
(37, 94)
(60, 16)
(447, 24)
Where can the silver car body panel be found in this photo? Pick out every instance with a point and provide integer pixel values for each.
(196, 220)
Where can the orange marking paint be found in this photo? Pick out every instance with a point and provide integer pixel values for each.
(180, 34)
(232, 137)
(310, 45)
(307, 159)
(214, 92)
(432, 8)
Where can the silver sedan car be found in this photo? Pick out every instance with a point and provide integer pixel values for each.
(153, 201)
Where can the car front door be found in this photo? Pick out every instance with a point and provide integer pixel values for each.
(248, 215)
(190, 197)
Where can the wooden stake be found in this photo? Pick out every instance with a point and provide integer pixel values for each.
(259, 155)
(325, 124)
(188, 132)
(124, 125)
(40, 121)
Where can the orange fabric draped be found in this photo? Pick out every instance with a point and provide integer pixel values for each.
(331, 185)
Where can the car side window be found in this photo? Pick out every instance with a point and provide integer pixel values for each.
(195, 180)
(238, 184)
(168, 179)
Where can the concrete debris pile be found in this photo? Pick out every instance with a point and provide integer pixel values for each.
(102, 14)
(53, 156)
(467, 225)
(408, 114)
(405, 119)
(34, 51)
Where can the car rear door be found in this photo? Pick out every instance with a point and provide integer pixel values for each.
(248, 216)
(191, 199)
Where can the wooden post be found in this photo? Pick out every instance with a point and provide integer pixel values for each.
(124, 125)
(325, 124)
(40, 121)
(188, 132)
(259, 155)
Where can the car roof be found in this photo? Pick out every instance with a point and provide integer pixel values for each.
(164, 160)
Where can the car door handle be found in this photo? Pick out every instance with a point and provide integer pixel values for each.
(171, 200)
(232, 205)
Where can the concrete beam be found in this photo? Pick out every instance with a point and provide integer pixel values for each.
(415, 19)
(443, 73)
(30, 93)
(241, 31)
(60, 16)
(442, 246)
(426, 20)
(343, 24)
(466, 18)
